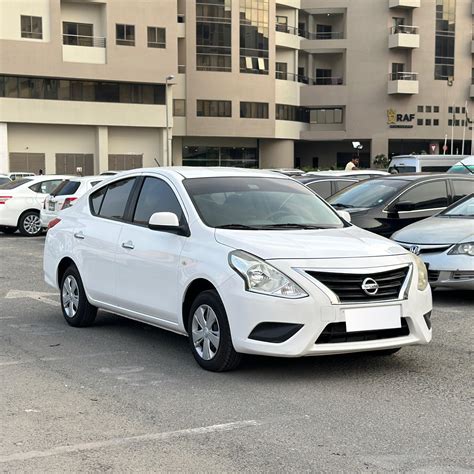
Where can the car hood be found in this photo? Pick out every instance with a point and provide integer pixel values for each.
(309, 244)
(437, 230)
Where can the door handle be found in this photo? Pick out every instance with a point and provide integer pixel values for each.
(128, 245)
(79, 235)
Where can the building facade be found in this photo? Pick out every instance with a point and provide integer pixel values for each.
(92, 85)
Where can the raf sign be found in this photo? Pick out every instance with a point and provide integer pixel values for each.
(395, 120)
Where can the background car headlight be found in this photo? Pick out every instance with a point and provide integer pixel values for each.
(467, 248)
(260, 277)
(422, 272)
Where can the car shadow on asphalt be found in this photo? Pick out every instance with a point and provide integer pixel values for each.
(452, 297)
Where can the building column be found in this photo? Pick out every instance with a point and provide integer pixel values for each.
(276, 153)
(101, 158)
(177, 158)
(378, 146)
(4, 162)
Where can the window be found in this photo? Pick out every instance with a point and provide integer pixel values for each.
(436, 109)
(282, 23)
(436, 122)
(46, 187)
(431, 195)
(428, 122)
(257, 110)
(237, 157)
(78, 34)
(96, 200)
(445, 39)
(321, 188)
(89, 91)
(281, 70)
(156, 196)
(179, 107)
(419, 121)
(326, 115)
(323, 31)
(397, 71)
(31, 27)
(156, 37)
(461, 188)
(214, 108)
(343, 184)
(125, 35)
(323, 77)
(291, 112)
(428, 109)
(115, 200)
(420, 109)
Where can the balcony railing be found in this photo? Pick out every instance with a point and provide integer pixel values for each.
(282, 28)
(404, 29)
(79, 40)
(318, 81)
(403, 76)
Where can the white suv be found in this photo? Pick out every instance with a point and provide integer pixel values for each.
(65, 195)
(21, 201)
(240, 262)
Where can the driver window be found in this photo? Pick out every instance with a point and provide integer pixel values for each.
(432, 195)
(156, 196)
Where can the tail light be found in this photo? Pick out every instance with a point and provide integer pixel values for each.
(68, 203)
(53, 223)
(4, 199)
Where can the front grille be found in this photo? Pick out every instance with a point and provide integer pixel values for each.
(469, 275)
(434, 249)
(433, 276)
(336, 332)
(348, 286)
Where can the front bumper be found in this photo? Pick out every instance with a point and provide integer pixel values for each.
(314, 313)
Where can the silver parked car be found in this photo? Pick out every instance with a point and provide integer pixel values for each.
(445, 242)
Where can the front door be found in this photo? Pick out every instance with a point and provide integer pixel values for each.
(148, 261)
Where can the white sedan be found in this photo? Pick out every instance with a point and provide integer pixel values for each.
(65, 195)
(445, 242)
(21, 202)
(242, 262)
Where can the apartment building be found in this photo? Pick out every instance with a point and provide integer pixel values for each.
(92, 85)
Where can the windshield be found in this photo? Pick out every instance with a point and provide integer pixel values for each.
(368, 193)
(66, 188)
(461, 168)
(15, 184)
(464, 208)
(255, 203)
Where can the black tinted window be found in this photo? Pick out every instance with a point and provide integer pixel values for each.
(15, 184)
(156, 196)
(115, 199)
(66, 188)
(46, 187)
(96, 200)
(462, 188)
(343, 184)
(430, 195)
(321, 188)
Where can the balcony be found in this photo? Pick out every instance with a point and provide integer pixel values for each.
(331, 42)
(309, 81)
(287, 36)
(84, 49)
(404, 36)
(403, 83)
(404, 3)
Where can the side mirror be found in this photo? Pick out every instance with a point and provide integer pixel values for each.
(345, 215)
(403, 206)
(167, 222)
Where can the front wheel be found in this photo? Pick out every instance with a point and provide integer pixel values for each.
(209, 334)
(77, 310)
(30, 224)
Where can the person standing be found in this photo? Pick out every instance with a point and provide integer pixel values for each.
(353, 165)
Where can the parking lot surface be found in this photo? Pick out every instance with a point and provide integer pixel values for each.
(124, 396)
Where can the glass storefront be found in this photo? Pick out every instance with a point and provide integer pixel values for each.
(238, 157)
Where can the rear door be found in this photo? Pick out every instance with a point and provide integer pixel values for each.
(460, 188)
(96, 237)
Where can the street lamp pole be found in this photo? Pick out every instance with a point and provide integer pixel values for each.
(168, 148)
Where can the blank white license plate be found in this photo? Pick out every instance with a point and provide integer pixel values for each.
(366, 319)
(51, 206)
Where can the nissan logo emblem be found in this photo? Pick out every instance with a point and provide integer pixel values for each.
(370, 286)
(415, 249)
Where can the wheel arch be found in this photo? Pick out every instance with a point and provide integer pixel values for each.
(63, 265)
(36, 211)
(192, 291)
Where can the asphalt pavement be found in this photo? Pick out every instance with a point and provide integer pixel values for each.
(123, 396)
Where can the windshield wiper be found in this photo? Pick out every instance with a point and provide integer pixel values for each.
(237, 226)
(343, 206)
(293, 226)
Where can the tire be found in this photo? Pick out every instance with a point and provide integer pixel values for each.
(207, 318)
(386, 352)
(8, 230)
(30, 224)
(77, 310)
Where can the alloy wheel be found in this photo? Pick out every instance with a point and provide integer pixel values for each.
(70, 296)
(205, 332)
(32, 224)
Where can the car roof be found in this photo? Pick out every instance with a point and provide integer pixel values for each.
(86, 179)
(316, 178)
(422, 176)
(342, 173)
(211, 172)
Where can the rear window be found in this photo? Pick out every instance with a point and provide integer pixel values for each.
(4, 180)
(66, 188)
(16, 184)
(401, 169)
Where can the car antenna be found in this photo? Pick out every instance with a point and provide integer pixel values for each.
(156, 161)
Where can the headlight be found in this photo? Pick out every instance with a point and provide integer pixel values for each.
(422, 272)
(260, 277)
(467, 248)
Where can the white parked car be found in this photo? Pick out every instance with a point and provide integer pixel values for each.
(240, 262)
(64, 196)
(4, 179)
(465, 166)
(21, 202)
(445, 242)
(360, 174)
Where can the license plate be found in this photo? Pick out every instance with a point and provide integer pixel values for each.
(367, 319)
(51, 206)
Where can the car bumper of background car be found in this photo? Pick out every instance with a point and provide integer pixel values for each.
(450, 271)
(46, 217)
(315, 322)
